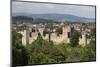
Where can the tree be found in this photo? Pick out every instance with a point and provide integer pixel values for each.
(59, 31)
(19, 54)
(93, 35)
(49, 36)
(45, 31)
(39, 37)
(74, 38)
(88, 53)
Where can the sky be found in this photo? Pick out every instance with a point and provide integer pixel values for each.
(44, 8)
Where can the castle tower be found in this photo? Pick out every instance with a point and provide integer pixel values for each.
(83, 39)
(67, 33)
(25, 37)
(41, 31)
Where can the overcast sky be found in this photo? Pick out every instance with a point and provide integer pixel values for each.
(42, 8)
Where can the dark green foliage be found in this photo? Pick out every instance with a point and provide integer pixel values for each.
(43, 51)
(20, 56)
(59, 31)
(93, 32)
(19, 53)
(74, 38)
(45, 31)
(93, 35)
(88, 53)
(49, 36)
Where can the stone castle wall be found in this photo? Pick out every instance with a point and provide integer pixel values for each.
(63, 38)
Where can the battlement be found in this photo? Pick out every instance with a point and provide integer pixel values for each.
(29, 36)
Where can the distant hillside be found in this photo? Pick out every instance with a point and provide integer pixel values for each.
(26, 19)
(21, 19)
(57, 17)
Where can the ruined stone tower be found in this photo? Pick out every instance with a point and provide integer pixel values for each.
(83, 39)
(25, 37)
(66, 33)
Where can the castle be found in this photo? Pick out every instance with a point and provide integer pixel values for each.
(30, 35)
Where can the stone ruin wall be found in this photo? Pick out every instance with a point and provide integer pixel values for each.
(56, 39)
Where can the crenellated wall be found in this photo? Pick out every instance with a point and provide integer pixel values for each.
(62, 38)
